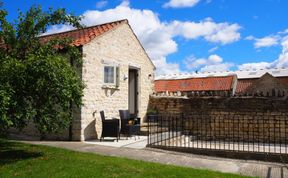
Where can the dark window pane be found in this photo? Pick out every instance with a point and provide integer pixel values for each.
(108, 74)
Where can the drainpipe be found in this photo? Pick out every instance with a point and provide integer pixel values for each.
(234, 84)
(71, 112)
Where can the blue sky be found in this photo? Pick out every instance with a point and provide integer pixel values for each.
(190, 35)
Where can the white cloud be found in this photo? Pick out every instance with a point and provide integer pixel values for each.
(250, 37)
(214, 59)
(281, 61)
(223, 33)
(265, 41)
(153, 35)
(217, 67)
(166, 68)
(192, 62)
(58, 29)
(212, 63)
(157, 36)
(213, 49)
(254, 66)
(181, 3)
(101, 4)
(283, 32)
(271, 40)
(125, 3)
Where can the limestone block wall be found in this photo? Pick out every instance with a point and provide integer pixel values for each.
(229, 119)
(76, 127)
(119, 47)
(239, 127)
(268, 85)
(30, 132)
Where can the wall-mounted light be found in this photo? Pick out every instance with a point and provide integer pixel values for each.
(150, 77)
(125, 77)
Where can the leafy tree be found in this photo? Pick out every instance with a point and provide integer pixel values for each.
(37, 81)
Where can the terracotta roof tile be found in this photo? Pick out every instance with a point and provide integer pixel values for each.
(244, 84)
(85, 35)
(195, 84)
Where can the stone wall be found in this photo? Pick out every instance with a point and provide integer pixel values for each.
(268, 85)
(30, 132)
(229, 119)
(118, 46)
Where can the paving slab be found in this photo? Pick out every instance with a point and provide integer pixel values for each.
(138, 142)
(242, 167)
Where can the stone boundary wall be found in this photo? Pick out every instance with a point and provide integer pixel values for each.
(30, 132)
(230, 119)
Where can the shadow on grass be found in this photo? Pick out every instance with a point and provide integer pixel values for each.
(11, 152)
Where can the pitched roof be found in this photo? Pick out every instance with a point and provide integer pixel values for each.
(84, 35)
(195, 84)
(87, 34)
(241, 74)
(244, 85)
(267, 83)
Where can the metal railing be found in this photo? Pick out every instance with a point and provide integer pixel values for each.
(230, 135)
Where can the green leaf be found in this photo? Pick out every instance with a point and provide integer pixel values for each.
(38, 82)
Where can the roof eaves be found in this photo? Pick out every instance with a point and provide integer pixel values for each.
(93, 26)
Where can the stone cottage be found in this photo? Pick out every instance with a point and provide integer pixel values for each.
(117, 72)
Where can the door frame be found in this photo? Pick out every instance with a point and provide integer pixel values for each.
(137, 88)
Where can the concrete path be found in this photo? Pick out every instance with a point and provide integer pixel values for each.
(249, 168)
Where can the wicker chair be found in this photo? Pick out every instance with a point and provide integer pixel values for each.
(129, 125)
(110, 128)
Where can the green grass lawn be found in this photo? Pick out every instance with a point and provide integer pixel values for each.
(25, 160)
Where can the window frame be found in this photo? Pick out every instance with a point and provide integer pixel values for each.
(115, 76)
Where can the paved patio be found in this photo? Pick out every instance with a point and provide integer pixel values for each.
(243, 167)
(132, 142)
(186, 142)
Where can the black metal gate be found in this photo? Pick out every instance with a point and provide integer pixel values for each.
(227, 135)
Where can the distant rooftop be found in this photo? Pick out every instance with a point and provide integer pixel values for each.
(241, 74)
(196, 84)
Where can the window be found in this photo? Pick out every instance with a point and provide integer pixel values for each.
(110, 75)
